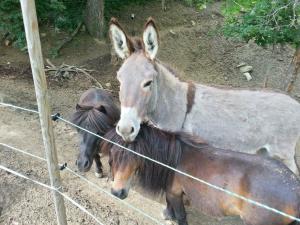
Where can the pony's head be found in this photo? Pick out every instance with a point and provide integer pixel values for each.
(97, 113)
(123, 167)
(151, 142)
(137, 76)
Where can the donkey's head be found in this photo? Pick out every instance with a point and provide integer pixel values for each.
(137, 76)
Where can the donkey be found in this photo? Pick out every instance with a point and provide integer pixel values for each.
(263, 179)
(250, 121)
(97, 113)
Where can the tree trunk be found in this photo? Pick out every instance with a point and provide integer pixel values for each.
(294, 70)
(94, 18)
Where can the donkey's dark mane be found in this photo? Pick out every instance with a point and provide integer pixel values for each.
(162, 146)
(137, 43)
(169, 68)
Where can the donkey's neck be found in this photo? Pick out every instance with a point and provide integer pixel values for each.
(171, 93)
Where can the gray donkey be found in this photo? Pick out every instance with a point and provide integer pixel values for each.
(251, 121)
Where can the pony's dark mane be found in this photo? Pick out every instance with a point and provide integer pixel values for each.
(165, 147)
(100, 118)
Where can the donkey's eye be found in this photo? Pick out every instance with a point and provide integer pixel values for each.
(148, 83)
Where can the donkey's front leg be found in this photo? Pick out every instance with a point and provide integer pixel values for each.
(99, 171)
(176, 202)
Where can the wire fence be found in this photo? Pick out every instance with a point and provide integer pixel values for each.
(228, 192)
(52, 188)
(97, 187)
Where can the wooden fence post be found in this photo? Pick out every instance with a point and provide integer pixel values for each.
(40, 84)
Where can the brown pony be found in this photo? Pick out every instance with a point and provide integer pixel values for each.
(259, 178)
(97, 113)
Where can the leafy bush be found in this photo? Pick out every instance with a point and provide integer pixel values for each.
(267, 22)
(62, 14)
(264, 21)
(69, 15)
(11, 20)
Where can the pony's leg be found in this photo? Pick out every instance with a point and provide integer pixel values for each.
(176, 203)
(99, 171)
(168, 213)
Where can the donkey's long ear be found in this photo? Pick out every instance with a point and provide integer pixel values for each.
(120, 41)
(150, 38)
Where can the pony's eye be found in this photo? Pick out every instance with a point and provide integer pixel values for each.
(148, 83)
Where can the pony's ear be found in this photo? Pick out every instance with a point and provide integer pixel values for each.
(120, 41)
(150, 38)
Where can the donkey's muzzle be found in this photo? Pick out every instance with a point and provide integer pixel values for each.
(129, 124)
(128, 133)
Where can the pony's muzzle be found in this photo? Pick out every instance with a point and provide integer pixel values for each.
(83, 165)
(121, 194)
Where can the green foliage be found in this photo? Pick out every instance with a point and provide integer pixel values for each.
(69, 14)
(62, 14)
(11, 20)
(264, 21)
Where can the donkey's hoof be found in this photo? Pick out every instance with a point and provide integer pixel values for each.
(167, 215)
(99, 175)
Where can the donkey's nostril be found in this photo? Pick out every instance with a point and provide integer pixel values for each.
(118, 128)
(132, 130)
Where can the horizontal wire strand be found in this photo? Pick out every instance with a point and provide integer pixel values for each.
(89, 182)
(22, 151)
(18, 107)
(53, 189)
(111, 195)
(253, 202)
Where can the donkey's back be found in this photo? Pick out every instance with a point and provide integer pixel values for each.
(248, 121)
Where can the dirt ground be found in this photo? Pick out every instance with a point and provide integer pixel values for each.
(190, 42)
